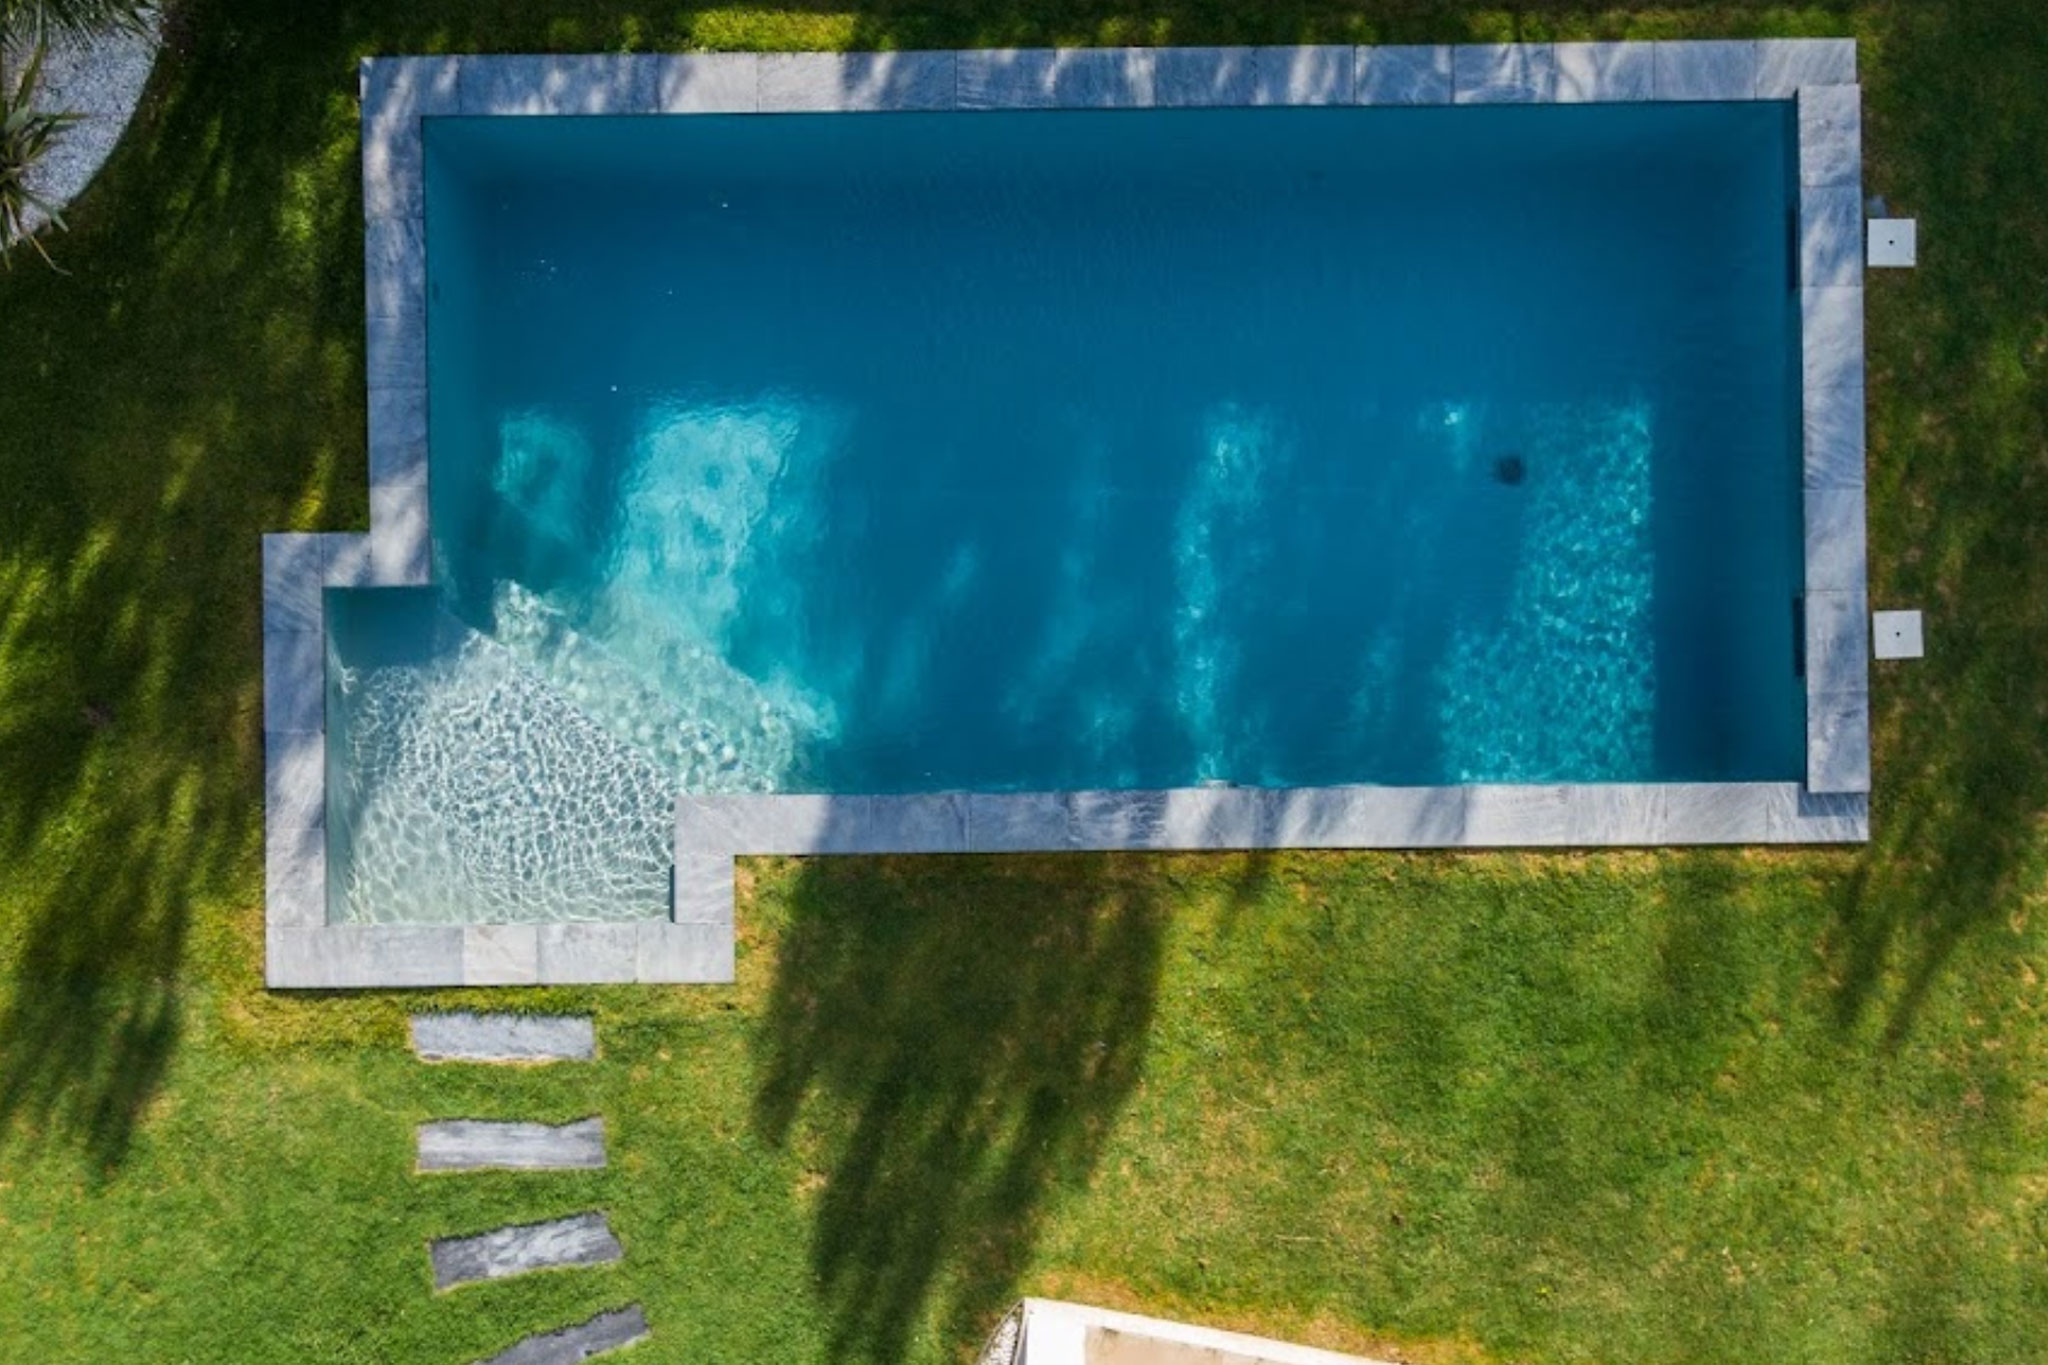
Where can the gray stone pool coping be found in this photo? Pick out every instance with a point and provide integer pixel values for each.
(695, 944)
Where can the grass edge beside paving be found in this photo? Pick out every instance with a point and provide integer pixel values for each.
(1866, 1024)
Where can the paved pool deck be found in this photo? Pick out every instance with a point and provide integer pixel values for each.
(695, 944)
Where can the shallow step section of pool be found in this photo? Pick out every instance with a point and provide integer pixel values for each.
(467, 1037)
(605, 1332)
(492, 1145)
(583, 1239)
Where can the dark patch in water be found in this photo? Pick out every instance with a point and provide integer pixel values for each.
(1509, 469)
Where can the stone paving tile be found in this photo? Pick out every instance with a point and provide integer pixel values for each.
(570, 1345)
(494, 1145)
(1503, 73)
(1787, 64)
(1605, 73)
(708, 83)
(580, 1240)
(1403, 75)
(795, 82)
(1711, 70)
(466, 1036)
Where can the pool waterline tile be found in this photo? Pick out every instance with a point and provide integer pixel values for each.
(398, 92)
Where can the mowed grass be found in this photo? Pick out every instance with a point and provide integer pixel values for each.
(1631, 1107)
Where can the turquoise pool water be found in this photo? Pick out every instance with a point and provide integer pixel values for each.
(1058, 450)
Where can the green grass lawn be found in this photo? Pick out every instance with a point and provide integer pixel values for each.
(1621, 1108)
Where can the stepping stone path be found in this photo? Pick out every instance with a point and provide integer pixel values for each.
(503, 1038)
(579, 1240)
(489, 1145)
(605, 1332)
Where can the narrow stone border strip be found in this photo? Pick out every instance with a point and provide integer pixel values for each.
(1243, 818)
(468, 1037)
(605, 1332)
(580, 1240)
(695, 944)
(493, 1145)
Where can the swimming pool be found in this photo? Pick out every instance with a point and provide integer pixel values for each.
(1046, 464)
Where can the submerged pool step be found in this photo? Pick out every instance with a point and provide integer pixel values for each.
(493, 1145)
(583, 1239)
(469, 1037)
(605, 1332)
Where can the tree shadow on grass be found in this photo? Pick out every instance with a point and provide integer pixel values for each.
(1956, 118)
(957, 1035)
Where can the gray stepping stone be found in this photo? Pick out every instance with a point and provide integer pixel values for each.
(469, 1037)
(605, 1332)
(484, 1145)
(579, 1240)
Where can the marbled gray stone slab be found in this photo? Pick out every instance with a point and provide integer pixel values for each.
(685, 954)
(850, 81)
(1831, 135)
(1785, 65)
(294, 680)
(409, 87)
(1503, 73)
(1836, 557)
(1056, 78)
(1196, 77)
(927, 823)
(500, 954)
(1827, 818)
(605, 1332)
(579, 84)
(294, 565)
(707, 83)
(400, 548)
(351, 956)
(1320, 74)
(394, 268)
(1834, 436)
(1534, 816)
(1017, 822)
(396, 92)
(492, 1145)
(1838, 742)
(781, 824)
(582, 1239)
(1830, 235)
(1368, 817)
(466, 1036)
(588, 954)
(1831, 337)
(1403, 75)
(1182, 818)
(295, 778)
(703, 892)
(395, 351)
(398, 436)
(294, 874)
(348, 560)
(1605, 73)
(1711, 70)
(1837, 641)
